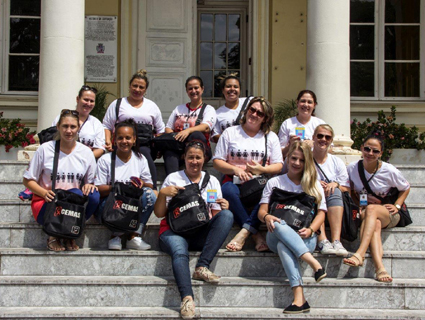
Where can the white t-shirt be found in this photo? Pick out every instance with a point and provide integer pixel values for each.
(227, 117)
(182, 114)
(288, 128)
(91, 134)
(137, 167)
(179, 178)
(148, 113)
(335, 170)
(284, 183)
(385, 178)
(73, 168)
(237, 148)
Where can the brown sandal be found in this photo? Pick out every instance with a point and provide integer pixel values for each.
(354, 261)
(71, 245)
(382, 274)
(54, 244)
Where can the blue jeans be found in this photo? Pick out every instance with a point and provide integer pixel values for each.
(147, 202)
(290, 247)
(248, 221)
(208, 240)
(90, 209)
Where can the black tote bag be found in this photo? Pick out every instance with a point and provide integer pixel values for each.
(350, 219)
(65, 216)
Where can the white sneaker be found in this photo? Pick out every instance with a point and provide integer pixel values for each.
(137, 244)
(339, 248)
(115, 244)
(326, 247)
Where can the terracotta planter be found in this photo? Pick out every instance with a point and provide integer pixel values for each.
(407, 156)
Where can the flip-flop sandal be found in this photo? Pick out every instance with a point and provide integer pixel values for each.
(261, 247)
(51, 247)
(70, 245)
(356, 262)
(382, 274)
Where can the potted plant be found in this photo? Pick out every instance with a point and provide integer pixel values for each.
(100, 107)
(397, 136)
(284, 110)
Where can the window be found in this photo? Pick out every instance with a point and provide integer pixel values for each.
(21, 46)
(221, 35)
(385, 55)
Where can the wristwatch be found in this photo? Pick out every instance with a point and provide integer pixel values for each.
(398, 206)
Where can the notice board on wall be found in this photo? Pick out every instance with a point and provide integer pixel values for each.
(100, 48)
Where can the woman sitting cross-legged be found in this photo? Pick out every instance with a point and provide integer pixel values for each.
(381, 177)
(292, 245)
(131, 167)
(243, 151)
(333, 177)
(207, 238)
(76, 167)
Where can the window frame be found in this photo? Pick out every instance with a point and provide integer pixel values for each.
(231, 8)
(4, 51)
(379, 55)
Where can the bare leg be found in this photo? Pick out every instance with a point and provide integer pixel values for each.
(322, 235)
(312, 262)
(299, 298)
(335, 221)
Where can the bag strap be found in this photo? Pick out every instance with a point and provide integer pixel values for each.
(242, 110)
(113, 158)
(117, 109)
(55, 163)
(205, 181)
(265, 156)
(366, 185)
(317, 165)
(200, 115)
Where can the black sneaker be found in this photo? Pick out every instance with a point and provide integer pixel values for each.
(296, 309)
(320, 274)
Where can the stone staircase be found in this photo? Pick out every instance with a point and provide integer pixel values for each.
(94, 283)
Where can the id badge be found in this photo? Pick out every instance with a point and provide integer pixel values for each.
(363, 199)
(186, 125)
(211, 195)
(300, 132)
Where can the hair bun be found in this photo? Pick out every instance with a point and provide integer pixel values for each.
(142, 72)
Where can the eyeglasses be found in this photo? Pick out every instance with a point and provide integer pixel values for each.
(195, 144)
(321, 136)
(87, 88)
(68, 111)
(369, 149)
(258, 112)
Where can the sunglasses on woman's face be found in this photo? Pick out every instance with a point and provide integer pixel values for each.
(321, 136)
(369, 149)
(68, 111)
(256, 111)
(87, 88)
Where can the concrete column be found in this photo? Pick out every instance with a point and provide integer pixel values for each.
(61, 57)
(328, 64)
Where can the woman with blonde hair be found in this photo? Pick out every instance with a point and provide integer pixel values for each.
(292, 245)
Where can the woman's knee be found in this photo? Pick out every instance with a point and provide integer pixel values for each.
(226, 217)
(229, 189)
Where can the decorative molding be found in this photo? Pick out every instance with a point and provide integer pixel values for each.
(171, 19)
(166, 52)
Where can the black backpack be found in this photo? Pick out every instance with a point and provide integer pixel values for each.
(187, 211)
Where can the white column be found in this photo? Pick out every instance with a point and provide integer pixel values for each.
(61, 57)
(328, 64)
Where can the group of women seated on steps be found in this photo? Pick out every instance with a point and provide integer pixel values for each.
(296, 160)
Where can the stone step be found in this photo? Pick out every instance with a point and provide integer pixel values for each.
(89, 262)
(236, 292)
(207, 313)
(30, 235)
(17, 211)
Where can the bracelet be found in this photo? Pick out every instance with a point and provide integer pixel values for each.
(312, 232)
(264, 218)
(337, 184)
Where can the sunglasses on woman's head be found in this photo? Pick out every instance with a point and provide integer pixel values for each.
(259, 113)
(87, 88)
(369, 149)
(321, 136)
(195, 144)
(68, 111)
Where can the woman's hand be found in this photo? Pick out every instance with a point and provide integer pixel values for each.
(310, 143)
(305, 233)
(391, 208)
(242, 174)
(292, 139)
(270, 220)
(254, 168)
(108, 145)
(330, 188)
(88, 188)
(48, 196)
(170, 191)
(182, 135)
(224, 204)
